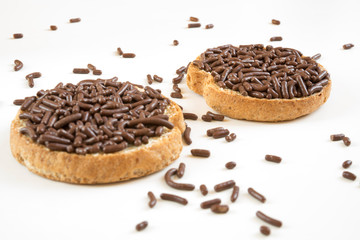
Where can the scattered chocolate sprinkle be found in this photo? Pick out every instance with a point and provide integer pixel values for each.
(207, 204)
(265, 230)
(176, 88)
(231, 137)
(200, 153)
(235, 193)
(256, 195)
(346, 141)
(230, 165)
(30, 78)
(349, 175)
(181, 70)
(211, 131)
(18, 65)
(173, 198)
(217, 208)
(176, 95)
(206, 118)
(224, 185)
(347, 164)
(181, 170)
(91, 67)
(220, 133)
(203, 189)
(179, 186)
(337, 137)
(74, 20)
(120, 51)
(178, 79)
(191, 116)
(216, 117)
(176, 42)
(97, 72)
(194, 25)
(81, 70)
(348, 46)
(18, 35)
(275, 22)
(209, 26)
(149, 79)
(316, 56)
(128, 55)
(268, 219)
(277, 38)
(194, 19)
(258, 71)
(186, 135)
(157, 78)
(152, 199)
(273, 158)
(141, 226)
(53, 27)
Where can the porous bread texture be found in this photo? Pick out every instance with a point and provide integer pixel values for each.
(234, 105)
(132, 162)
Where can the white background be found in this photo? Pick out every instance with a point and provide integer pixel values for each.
(306, 191)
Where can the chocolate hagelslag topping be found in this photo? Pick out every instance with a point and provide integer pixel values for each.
(94, 116)
(263, 72)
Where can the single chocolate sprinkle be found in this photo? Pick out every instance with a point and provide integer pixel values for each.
(173, 198)
(230, 165)
(347, 164)
(348, 46)
(220, 133)
(231, 137)
(152, 199)
(176, 95)
(141, 226)
(74, 20)
(268, 219)
(273, 158)
(200, 153)
(181, 170)
(337, 137)
(149, 79)
(224, 185)
(179, 186)
(178, 79)
(217, 208)
(275, 22)
(128, 55)
(194, 25)
(176, 42)
(18, 102)
(206, 118)
(81, 70)
(346, 141)
(191, 116)
(209, 26)
(186, 135)
(235, 193)
(207, 204)
(181, 70)
(91, 67)
(349, 175)
(203, 189)
(157, 78)
(97, 72)
(277, 38)
(316, 56)
(18, 65)
(216, 117)
(265, 230)
(53, 27)
(18, 35)
(256, 195)
(211, 131)
(193, 19)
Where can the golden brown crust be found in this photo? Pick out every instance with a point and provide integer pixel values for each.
(133, 162)
(233, 104)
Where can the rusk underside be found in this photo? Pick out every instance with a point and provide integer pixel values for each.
(233, 104)
(132, 162)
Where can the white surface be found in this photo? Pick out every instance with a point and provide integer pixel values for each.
(306, 191)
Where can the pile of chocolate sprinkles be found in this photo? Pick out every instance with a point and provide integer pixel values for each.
(94, 116)
(264, 72)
